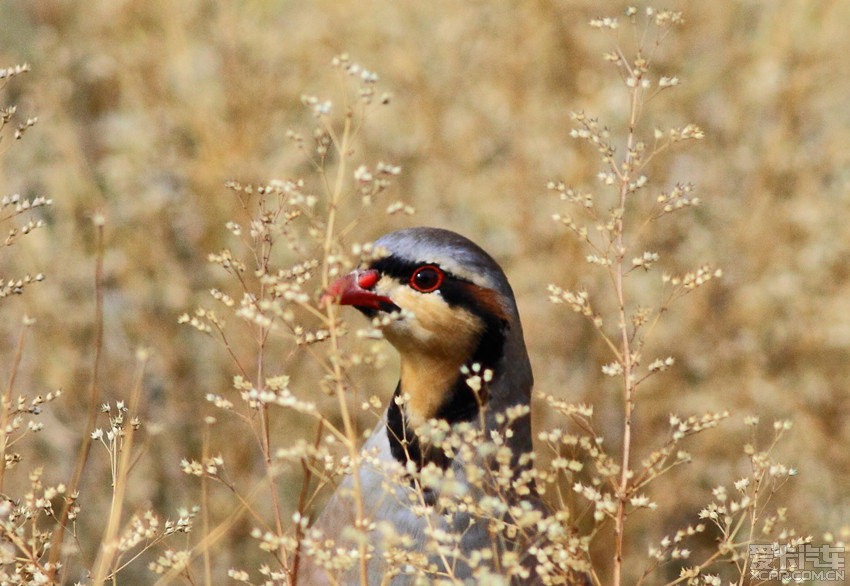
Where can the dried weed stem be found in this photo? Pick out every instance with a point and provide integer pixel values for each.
(108, 543)
(93, 405)
(6, 408)
(351, 436)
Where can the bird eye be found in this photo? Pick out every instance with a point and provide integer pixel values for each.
(426, 279)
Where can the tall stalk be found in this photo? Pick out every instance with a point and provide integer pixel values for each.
(92, 407)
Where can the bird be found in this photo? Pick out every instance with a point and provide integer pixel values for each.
(448, 309)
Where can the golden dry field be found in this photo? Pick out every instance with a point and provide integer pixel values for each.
(155, 117)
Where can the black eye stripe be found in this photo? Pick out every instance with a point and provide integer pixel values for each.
(404, 270)
(396, 268)
(454, 290)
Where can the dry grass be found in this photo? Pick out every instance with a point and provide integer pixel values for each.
(146, 109)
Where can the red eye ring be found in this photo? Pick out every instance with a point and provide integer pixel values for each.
(427, 278)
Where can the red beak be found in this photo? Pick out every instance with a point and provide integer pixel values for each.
(354, 289)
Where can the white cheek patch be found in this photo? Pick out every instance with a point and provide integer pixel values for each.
(434, 340)
(432, 326)
(388, 286)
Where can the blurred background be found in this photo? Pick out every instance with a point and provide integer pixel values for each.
(147, 107)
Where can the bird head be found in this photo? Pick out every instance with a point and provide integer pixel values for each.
(448, 304)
